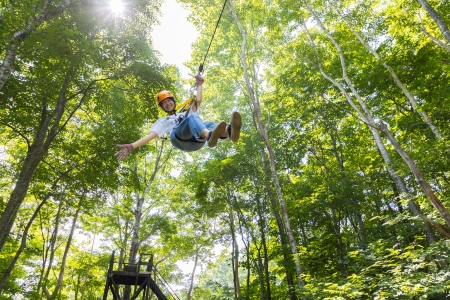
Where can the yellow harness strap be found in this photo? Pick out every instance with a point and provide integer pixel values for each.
(185, 105)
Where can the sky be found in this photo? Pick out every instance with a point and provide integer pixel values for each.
(174, 36)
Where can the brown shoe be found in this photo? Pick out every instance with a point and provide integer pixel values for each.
(234, 129)
(216, 133)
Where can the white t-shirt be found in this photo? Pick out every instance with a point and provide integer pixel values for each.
(167, 124)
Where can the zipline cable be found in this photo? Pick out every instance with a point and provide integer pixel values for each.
(200, 68)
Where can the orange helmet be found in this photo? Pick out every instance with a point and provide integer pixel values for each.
(163, 95)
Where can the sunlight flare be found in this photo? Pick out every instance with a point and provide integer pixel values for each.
(116, 6)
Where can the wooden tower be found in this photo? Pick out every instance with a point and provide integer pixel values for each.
(132, 275)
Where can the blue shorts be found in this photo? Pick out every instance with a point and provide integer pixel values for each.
(186, 135)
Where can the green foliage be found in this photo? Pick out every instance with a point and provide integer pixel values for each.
(388, 273)
(215, 281)
(357, 236)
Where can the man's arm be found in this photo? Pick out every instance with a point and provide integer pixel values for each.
(152, 135)
(199, 80)
(125, 149)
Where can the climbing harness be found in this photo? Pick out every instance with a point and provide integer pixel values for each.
(185, 107)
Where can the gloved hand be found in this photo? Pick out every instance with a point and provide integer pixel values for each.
(199, 79)
(125, 149)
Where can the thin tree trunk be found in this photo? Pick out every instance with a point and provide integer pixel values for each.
(334, 136)
(334, 216)
(366, 116)
(77, 286)
(262, 228)
(25, 233)
(287, 260)
(47, 130)
(245, 240)
(22, 245)
(433, 38)
(265, 137)
(135, 238)
(235, 256)
(88, 271)
(362, 228)
(266, 266)
(247, 260)
(134, 241)
(124, 241)
(406, 92)
(191, 284)
(59, 283)
(400, 183)
(7, 65)
(340, 245)
(138, 212)
(260, 270)
(437, 18)
(50, 248)
(426, 188)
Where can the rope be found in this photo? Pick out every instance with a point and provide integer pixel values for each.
(187, 104)
(200, 68)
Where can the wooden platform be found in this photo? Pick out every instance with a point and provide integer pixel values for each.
(129, 278)
(132, 276)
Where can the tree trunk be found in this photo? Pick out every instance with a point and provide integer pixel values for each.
(340, 245)
(7, 66)
(66, 253)
(191, 284)
(46, 267)
(362, 228)
(262, 228)
(406, 92)
(88, 269)
(34, 157)
(399, 183)
(22, 245)
(366, 116)
(245, 241)
(334, 136)
(437, 18)
(138, 212)
(426, 188)
(135, 238)
(134, 242)
(45, 133)
(265, 137)
(287, 258)
(260, 270)
(234, 257)
(25, 233)
(77, 287)
(247, 262)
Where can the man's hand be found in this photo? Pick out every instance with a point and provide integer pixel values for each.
(124, 151)
(199, 79)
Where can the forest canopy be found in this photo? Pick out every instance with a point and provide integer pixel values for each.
(339, 187)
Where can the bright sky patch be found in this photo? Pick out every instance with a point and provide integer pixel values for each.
(116, 7)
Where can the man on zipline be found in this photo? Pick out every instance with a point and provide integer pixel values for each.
(187, 131)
